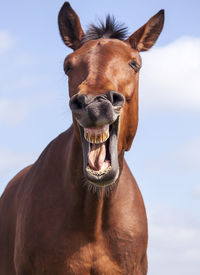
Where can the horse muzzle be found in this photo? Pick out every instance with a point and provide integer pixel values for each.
(98, 120)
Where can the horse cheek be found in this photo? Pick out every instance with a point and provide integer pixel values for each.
(132, 120)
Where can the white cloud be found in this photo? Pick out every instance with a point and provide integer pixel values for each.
(189, 154)
(196, 191)
(6, 41)
(12, 111)
(11, 163)
(25, 59)
(14, 160)
(170, 76)
(174, 243)
(185, 158)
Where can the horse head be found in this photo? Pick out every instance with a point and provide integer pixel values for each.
(103, 75)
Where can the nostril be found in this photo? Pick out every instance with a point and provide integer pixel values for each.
(77, 102)
(116, 98)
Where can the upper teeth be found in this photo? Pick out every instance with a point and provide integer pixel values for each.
(97, 135)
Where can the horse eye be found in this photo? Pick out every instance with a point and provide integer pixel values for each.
(67, 69)
(134, 65)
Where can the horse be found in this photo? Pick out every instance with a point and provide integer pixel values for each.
(78, 209)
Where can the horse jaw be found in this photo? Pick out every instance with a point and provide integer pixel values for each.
(100, 159)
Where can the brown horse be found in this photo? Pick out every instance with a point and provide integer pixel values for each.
(77, 209)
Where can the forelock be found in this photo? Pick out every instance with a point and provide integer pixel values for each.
(109, 29)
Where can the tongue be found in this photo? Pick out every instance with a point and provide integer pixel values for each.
(96, 156)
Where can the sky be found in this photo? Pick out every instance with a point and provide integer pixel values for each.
(165, 155)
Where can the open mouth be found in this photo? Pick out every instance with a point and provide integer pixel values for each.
(100, 153)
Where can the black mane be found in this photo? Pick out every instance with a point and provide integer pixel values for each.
(111, 29)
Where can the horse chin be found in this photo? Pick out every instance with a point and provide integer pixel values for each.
(108, 172)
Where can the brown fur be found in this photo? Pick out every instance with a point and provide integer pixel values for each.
(51, 223)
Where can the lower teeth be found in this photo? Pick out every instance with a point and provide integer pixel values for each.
(98, 173)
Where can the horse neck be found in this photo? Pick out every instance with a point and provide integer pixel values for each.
(92, 205)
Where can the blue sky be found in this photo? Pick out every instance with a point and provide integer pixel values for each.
(165, 156)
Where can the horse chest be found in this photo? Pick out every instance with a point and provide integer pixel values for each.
(95, 259)
(88, 258)
(92, 259)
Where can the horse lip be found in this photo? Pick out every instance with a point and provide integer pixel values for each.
(112, 174)
(85, 120)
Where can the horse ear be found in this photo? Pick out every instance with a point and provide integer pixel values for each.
(145, 37)
(70, 26)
